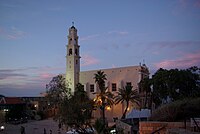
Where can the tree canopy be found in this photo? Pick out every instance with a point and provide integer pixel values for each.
(57, 92)
(174, 84)
(76, 111)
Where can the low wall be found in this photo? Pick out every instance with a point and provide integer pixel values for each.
(123, 126)
(149, 127)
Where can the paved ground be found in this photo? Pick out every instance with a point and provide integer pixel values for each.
(34, 127)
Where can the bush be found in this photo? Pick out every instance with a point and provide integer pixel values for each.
(178, 110)
(41, 114)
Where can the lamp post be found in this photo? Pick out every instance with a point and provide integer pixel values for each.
(5, 116)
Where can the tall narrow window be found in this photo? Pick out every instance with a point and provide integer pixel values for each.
(91, 87)
(128, 84)
(114, 87)
(76, 51)
(74, 41)
(70, 40)
(70, 51)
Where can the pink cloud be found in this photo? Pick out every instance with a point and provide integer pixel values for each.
(89, 37)
(185, 6)
(173, 44)
(46, 75)
(88, 60)
(188, 60)
(197, 4)
(187, 3)
(12, 33)
(118, 32)
(183, 3)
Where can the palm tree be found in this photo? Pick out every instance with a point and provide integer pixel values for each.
(128, 95)
(145, 89)
(103, 98)
(100, 78)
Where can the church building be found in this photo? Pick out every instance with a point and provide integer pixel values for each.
(116, 77)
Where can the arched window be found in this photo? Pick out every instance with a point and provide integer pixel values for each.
(70, 51)
(74, 41)
(76, 51)
(70, 40)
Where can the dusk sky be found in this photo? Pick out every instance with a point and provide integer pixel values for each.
(112, 33)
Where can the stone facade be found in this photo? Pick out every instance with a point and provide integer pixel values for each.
(73, 59)
(116, 78)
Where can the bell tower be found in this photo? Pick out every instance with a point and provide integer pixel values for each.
(72, 59)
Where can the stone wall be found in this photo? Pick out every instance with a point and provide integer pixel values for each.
(149, 127)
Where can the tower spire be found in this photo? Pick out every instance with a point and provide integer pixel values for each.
(72, 23)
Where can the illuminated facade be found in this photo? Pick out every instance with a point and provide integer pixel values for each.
(116, 77)
(73, 59)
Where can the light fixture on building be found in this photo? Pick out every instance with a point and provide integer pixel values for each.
(108, 108)
(35, 105)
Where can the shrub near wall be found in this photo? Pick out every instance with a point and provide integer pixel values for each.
(178, 110)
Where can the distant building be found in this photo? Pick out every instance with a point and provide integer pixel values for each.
(35, 103)
(7, 103)
(116, 77)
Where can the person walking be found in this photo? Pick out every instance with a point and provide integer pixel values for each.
(22, 130)
(45, 131)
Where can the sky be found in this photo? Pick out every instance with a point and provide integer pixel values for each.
(112, 33)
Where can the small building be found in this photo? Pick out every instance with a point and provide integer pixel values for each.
(7, 103)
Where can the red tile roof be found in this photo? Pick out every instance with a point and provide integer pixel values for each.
(11, 100)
